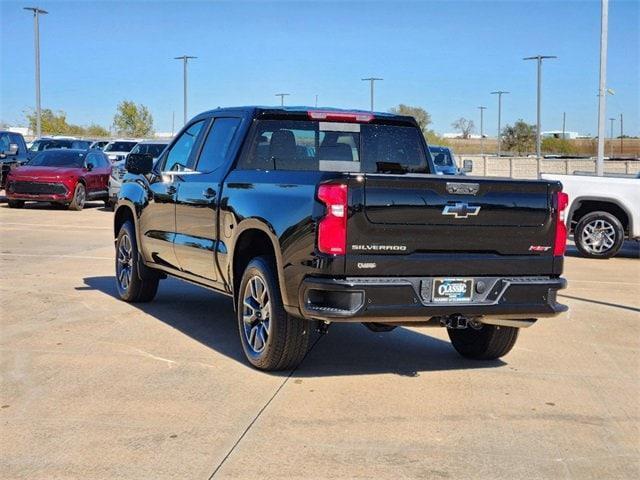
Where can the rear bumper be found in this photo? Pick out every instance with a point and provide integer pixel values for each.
(406, 300)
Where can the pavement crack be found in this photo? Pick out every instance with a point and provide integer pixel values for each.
(264, 407)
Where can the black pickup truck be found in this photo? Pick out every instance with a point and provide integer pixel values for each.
(307, 217)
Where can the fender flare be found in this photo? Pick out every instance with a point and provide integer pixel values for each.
(577, 203)
(265, 227)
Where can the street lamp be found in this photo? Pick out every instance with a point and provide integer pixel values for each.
(185, 59)
(539, 59)
(482, 109)
(611, 135)
(602, 87)
(36, 31)
(499, 93)
(282, 95)
(372, 80)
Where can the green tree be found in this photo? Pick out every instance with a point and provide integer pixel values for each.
(558, 145)
(420, 114)
(520, 137)
(133, 120)
(53, 123)
(94, 130)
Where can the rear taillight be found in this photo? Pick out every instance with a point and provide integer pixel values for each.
(561, 200)
(332, 229)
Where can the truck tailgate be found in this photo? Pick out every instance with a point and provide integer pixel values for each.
(429, 224)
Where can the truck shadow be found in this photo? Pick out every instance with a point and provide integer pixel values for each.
(348, 349)
(630, 249)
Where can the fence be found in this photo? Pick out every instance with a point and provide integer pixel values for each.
(527, 167)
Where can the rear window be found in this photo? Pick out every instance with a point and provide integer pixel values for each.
(154, 149)
(41, 145)
(120, 146)
(330, 146)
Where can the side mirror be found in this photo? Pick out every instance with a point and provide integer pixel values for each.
(89, 166)
(467, 166)
(13, 149)
(139, 163)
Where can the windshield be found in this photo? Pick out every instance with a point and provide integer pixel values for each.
(155, 149)
(330, 146)
(48, 144)
(119, 146)
(442, 157)
(58, 158)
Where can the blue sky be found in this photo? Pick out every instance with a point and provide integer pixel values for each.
(445, 56)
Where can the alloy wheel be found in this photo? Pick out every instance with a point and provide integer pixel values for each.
(598, 236)
(256, 314)
(125, 262)
(80, 195)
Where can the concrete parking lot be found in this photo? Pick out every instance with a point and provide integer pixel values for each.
(93, 387)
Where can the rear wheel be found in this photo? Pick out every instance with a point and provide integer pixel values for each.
(485, 343)
(16, 203)
(131, 287)
(271, 338)
(599, 235)
(79, 197)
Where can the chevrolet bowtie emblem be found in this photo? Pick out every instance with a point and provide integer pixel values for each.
(460, 210)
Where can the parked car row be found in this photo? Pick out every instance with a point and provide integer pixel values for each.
(65, 170)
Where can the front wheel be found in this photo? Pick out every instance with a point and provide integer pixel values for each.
(16, 203)
(79, 197)
(131, 287)
(271, 338)
(485, 343)
(599, 235)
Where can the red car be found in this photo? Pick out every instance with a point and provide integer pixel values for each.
(69, 177)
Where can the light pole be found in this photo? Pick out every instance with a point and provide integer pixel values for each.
(36, 32)
(621, 137)
(371, 81)
(539, 59)
(282, 95)
(602, 88)
(564, 123)
(185, 59)
(499, 93)
(482, 109)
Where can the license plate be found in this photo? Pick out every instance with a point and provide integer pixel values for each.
(452, 290)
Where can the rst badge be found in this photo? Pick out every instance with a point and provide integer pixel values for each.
(461, 210)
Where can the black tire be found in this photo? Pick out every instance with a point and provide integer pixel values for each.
(280, 341)
(79, 197)
(487, 343)
(599, 235)
(132, 288)
(16, 203)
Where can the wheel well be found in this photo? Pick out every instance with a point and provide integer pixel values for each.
(251, 243)
(588, 206)
(122, 215)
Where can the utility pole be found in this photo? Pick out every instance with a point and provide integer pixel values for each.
(36, 34)
(539, 59)
(611, 136)
(372, 80)
(602, 89)
(621, 137)
(499, 93)
(282, 95)
(564, 124)
(185, 59)
(482, 109)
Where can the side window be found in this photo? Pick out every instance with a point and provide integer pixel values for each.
(4, 142)
(216, 146)
(182, 150)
